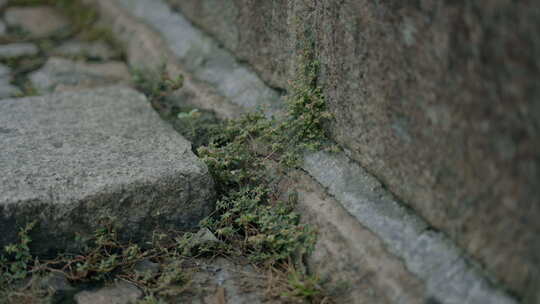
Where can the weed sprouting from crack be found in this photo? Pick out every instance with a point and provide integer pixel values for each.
(254, 215)
(247, 158)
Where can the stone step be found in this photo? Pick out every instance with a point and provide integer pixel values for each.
(69, 160)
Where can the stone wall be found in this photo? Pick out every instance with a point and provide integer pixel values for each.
(438, 99)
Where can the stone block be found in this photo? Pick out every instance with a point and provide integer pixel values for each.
(71, 160)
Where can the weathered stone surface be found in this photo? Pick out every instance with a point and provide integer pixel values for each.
(444, 268)
(348, 256)
(14, 50)
(37, 21)
(93, 50)
(60, 74)
(120, 293)
(68, 160)
(439, 100)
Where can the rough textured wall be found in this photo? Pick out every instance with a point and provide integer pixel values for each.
(439, 99)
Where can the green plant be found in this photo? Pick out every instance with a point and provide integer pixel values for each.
(238, 157)
(195, 124)
(103, 259)
(301, 286)
(254, 216)
(247, 157)
(17, 260)
(157, 84)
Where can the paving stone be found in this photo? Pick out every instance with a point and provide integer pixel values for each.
(14, 50)
(94, 50)
(69, 160)
(120, 293)
(37, 21)
(60, 74)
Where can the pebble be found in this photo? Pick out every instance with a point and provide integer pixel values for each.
(14, 50)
